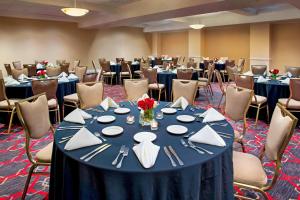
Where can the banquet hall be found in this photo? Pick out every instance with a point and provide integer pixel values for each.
(150, 100)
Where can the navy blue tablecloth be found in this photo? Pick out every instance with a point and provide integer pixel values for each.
(202, 177)
(117, 68)
(217, 66)
(166, 78)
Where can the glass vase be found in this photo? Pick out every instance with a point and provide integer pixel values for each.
(146, 116)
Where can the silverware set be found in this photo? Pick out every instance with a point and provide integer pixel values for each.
(96, 110)
(87, 157)
(224, 135)
(169, 151)
(97, 134)
(94, 118)
(217, 124)
(124, 152)
(192, 147)
(198, 147)
(167, 105)
(62, 128)
(188, 135)
(65, 139)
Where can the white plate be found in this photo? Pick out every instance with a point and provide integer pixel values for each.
(185, 118)
(144, 136)
(106, 119)
(168, 110)
(122, 110)
(177, 129)
(112, 130)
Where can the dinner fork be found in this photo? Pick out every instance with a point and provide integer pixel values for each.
(126, 151)
(217, 124)
(186, 145)
(188, 135)
(122, 149)
(94, 118)
(201, 148)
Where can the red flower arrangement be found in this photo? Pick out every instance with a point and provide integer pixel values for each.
(146, 115)
(41, 73)
(274, 73)
(146, 104)
(44, 62)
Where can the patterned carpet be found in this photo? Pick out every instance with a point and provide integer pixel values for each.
(14, 164)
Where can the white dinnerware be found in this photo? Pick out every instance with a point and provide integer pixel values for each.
(112, 130)
(177, 129)
(106, 119)
(185, 118)
(144, 136)
(169, 110)
(122, 110)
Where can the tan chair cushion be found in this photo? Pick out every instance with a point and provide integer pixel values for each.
(156, 86)
(138, 72)
(52, 103)
(248, 169)
(109, 73)
(202, 79)
(44, 155)
(280, 127)
(202, 84)
(90, 96)
(72, 97)
(124, 73)
(4, 104)
(260, 99)
(293, 104)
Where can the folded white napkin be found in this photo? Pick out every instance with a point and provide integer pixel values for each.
(156, 67)
(285, 81)
(22, 77)
(63, 79)
(207, 136)
(145, 96)
(248, 73)
(289, 74)
(9, 81)
(261, 79)
(63, 74)
(221, 62)
(180, 102)
(83, 138)
(108, 103)
(135, 62)
(39, 66)
(72, 76)
(212, 115)
(112, 63)
(174, 71)
(147, 153)
(77, 116)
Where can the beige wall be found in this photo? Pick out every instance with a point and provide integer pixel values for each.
(285, 45)
(227, 41)
(174, 43)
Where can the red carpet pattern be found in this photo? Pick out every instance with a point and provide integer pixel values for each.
(14, 164)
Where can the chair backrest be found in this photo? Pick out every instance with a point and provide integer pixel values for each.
(241, 62)
(60, 62)
(185, 74)
(258, 69)
(17, 65)
(295, 71)
(31, 69)
(230, 63)
(231, 71)
(175, 60)
(76, 63)
(135, 88)
(1, 75)
(237, 102)
(191, 64)
(184, 88)
(137, 60)
(118, 60)
(280, 132)
(8, 69)
(48, 86)
(125, 66)
(17, 72)
(65, 67)
(206, 63)
(90, 77)
(158, 61)
(244, 81)
(105, 65)
(220, 81)
(90, 94)
(295, 88)
(210, 73)
(34, 116)
(53, 71)
(2, 90)
(150, 74)
(80, 71)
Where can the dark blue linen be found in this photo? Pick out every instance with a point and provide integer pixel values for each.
(202, 177)
(217, 66)
(117, 68)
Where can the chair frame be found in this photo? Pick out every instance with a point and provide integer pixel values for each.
(123, 67)
(153, 80)
(291, 97)
(262, 190)
(105, 65)
(221, 85)
(34, 163)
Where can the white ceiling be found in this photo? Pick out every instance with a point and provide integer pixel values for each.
(156, 15)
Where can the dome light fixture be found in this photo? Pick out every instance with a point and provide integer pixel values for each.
(74, 11)
(197, 26)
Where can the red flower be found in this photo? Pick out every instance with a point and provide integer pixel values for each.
(274, 71)
(146, 104)
(45, 62)
(38, 73)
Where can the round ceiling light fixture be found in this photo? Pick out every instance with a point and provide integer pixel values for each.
(197, 26)
(74, 11)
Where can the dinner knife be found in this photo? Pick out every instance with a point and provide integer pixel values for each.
(92, 156)
(86, 155)
(176, 156)
(170, 157)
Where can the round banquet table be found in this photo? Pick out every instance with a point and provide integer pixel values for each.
(166, 78)
(202, 176)
(117, 68)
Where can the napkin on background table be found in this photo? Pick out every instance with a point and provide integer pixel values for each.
(248, 73)
(147, 153)
(112, 63)
(9, 81)
(108, 103)
(289, 74)
(63, 74)
(212, 115)
(285, 81)
(72, 76)
(180, 102)
(261, 79)
(77, 116)
(207, 135)
(83, 138)
(22, 77)
(63, 79)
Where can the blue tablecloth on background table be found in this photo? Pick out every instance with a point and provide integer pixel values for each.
(166, 78)
(217, 66)
(202, 177)
(117, 68)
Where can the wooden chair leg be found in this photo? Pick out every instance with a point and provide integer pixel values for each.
(11, 119)
(159, 93)
(257, 114)
(242, 145)
(28, 181)
(268, 114)
(58, 114)
(220, 101)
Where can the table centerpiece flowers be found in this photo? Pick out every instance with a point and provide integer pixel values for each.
(274, 73)
(41, 74)
(147, 106)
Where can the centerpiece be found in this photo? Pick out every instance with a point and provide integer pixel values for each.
(147, 106)
(41, 74)
(274, 73)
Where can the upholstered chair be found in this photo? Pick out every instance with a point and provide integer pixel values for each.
(60, 62)
(258, 69)
(65, 67)
(293, 102)
(158, 61)
(143, 64)
(185, 74)
(135, 88)
(33, 114)
(7, 105)
(31, 69)
(125, 70)
(241, 65)
(184, 88)
(76, 63)
(295, 71)
(90, 94)
(17, 72)
(80, 71)
(49, 87)
(236, 107)
(151, 75)
(53, 71)
(248, 170)
(258, 102)
(119, 60)
(17, 65)
(206, 82)
(231, 71)
(221, 85)
(8, 69)
(107, 73)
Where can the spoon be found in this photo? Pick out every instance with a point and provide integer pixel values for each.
(97, 134)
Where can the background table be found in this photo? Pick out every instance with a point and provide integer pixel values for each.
(202, 177)
(217, 66)
(117, 68)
